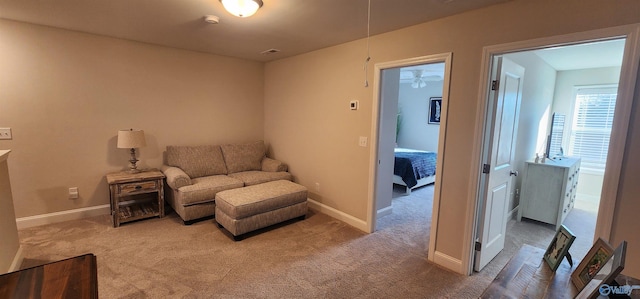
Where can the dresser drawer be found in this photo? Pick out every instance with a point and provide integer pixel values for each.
(147, 186)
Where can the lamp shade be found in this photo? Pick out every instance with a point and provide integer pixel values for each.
(131, 139)
(242, 8)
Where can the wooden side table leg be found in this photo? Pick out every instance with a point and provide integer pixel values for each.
(115, 213)
(161, 198)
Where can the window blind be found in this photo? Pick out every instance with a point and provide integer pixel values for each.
(591, 127)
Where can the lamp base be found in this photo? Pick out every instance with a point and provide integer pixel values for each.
(132, 162)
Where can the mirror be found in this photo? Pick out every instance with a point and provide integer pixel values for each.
(554, 139)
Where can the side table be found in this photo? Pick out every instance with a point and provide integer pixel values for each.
(136, 196)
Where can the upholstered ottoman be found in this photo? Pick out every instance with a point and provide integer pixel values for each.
(246, 209)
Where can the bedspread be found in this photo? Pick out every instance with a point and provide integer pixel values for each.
(414, 165)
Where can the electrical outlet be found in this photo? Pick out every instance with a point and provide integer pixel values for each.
(73, 193)
(317, 187)
(5, 133)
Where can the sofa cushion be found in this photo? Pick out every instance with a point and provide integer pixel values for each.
(258, 177)
(204, 189)
(197, 161)
(243, 157)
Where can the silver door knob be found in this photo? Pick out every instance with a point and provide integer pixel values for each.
(513, 173)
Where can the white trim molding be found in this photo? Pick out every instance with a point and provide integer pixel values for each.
(342, 216)
(17, 260)
(56, 217)
(448, 262)
(384, 212)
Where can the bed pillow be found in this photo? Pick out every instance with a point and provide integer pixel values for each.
(243, 157)
(197, 161)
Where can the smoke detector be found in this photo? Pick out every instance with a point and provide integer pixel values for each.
(211, 19)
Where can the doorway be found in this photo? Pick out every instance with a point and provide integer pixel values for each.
(626, 75)
(418, 101)
(385, 115)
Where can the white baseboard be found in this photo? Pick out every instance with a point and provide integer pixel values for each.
(56, 217)
(448, 262)
(17, 260)
(384, 212)
(342, 216)
(513, 213)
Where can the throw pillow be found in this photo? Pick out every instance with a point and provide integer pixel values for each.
(197, 161)
(243, 157)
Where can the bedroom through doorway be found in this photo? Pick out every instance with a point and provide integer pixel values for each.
(411, 110)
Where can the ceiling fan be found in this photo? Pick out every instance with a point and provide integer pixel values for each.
(420, 79)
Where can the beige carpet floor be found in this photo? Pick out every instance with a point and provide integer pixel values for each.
(319, 257)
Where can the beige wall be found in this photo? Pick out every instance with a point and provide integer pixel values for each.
(66, 94)
(8, 229)
(308, 123)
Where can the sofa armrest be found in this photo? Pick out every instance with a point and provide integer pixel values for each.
(272, 165)
(176, 177)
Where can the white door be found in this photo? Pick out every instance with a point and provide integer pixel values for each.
(500, 168)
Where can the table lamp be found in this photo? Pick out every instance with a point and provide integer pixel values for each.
(131, 139)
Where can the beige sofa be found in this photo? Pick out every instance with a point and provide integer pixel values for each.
(195, 174)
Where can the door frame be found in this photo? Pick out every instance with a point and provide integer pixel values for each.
(373, 162)
(626, 90)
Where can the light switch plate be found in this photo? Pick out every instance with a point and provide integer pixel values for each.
(5, 133)
(363, 141)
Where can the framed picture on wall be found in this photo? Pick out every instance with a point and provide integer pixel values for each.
(435, 106)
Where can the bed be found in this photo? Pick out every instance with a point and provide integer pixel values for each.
(414, 168)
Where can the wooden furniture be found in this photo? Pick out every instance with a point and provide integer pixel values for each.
(527, 275)
(136, 196)
(549, 190)
(75, 277)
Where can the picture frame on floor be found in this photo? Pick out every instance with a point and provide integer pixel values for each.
(595, 259)
(558, 249)
(599, 284)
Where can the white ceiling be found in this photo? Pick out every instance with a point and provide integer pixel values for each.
(292, 26)
(584, 56)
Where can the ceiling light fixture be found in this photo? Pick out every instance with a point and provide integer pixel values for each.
(242, 8)
(418, 82)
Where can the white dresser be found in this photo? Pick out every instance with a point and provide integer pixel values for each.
(549, 190)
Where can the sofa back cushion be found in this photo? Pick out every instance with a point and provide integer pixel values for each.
(197, 161)
(243, 157)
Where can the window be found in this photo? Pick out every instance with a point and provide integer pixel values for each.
(591, 126)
